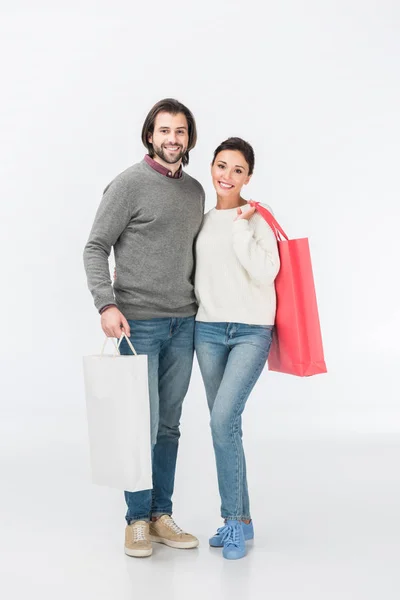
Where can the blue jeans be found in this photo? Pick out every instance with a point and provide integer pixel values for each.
(168, 343)
(231, 357)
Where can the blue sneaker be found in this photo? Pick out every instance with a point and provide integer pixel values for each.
(216, 540)
(233, 539)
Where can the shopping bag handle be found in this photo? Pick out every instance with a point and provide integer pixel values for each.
(272, 222)
(104, 346)
(123, 335)
(117, 345)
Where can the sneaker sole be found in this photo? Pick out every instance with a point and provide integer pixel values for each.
(172, 544)
(221, 545)
(234, 557)
(138, 553)
(216, 545)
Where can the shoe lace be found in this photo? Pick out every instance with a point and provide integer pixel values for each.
(230, 535)
(172, 525)
(139, 533)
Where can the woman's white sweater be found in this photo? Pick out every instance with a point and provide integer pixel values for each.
(236, 264)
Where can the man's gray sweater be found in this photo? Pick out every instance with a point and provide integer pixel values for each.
(151, 221)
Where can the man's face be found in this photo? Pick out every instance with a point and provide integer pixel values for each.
(170, 137)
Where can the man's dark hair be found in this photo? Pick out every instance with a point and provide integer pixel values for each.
(236, 143)
(172, 106)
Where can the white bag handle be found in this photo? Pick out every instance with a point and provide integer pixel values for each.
(104, 346)
(117, 352)
(123, 335)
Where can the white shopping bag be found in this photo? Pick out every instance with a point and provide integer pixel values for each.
(118, 414)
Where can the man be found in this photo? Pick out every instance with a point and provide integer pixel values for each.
(151, 214)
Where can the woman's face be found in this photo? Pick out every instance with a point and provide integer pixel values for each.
(229, 173)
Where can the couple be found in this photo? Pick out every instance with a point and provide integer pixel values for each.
(183, 281)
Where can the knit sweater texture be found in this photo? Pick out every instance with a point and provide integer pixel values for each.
(236, 265)
(152, 222)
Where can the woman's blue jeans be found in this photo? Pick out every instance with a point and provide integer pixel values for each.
(231, 357)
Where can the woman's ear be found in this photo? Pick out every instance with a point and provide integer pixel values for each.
(246, 181)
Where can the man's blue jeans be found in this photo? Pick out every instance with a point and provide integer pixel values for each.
(231, 357)
(168, 343)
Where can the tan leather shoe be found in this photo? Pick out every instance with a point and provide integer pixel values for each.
(166, 531)
(137, 540)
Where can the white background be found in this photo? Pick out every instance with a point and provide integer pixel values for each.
(315, 87)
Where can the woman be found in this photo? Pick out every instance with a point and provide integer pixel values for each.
(236, 264)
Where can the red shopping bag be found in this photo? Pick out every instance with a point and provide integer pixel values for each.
(297, 343)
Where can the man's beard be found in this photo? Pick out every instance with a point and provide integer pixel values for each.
(170, 160)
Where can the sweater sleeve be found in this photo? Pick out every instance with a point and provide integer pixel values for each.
(256, 250)
(112, 218)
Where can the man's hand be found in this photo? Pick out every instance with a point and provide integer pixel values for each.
(114, 323)
(245, 215)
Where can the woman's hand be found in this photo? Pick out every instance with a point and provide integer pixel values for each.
(245, 215)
